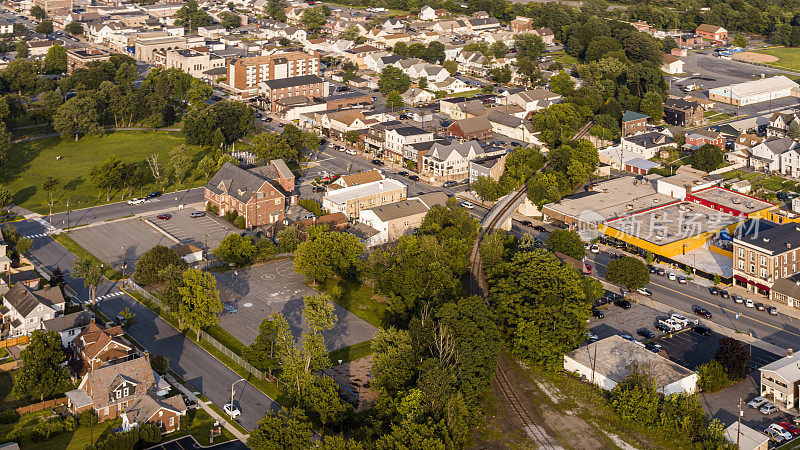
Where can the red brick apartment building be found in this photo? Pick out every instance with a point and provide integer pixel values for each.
(244, 74)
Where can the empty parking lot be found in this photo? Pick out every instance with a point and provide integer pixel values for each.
(106, 241)
(253, 294)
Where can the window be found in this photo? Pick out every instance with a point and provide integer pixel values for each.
(763, 272)
(741, 264)
(763, 260)
(118, 393)
(125, 392)
(752, 268)
(172, 421)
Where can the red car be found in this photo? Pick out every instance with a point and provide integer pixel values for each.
(164, 216)
(790, 428)
(702, 312)
(588, 269)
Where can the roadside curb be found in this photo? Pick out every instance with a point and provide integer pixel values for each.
(161, 230)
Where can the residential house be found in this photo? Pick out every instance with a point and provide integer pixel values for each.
(489, 167)
(533, 100)
(355, 179)
(375, 138)
(671, 64)
(790, 162)
(451, 161)
(69, 326)
(711, 32)
(487, 24)
(547, 35)
(786, 291)
(451, 85)
(351, 200)
(780, 121)
(760, 257)
(345, 121)
(96, 346)
(5, 261)
(434, 73)
(471, 63)
(416, 96)
(647, 144)
(165, 413)
(472, 128)
(461, 108)
(397, 219)
(260, 194)
(392, 26)
(633, 123)
(415, 152)
(521, 25)
(766, 155)
(683, 113)
(427, 13)
(6, 27)
(513, 127)
(25, 310)
(780, 381)
(398, 137)
(700, 137)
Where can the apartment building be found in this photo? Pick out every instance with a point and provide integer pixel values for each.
(193, 62)
(276, 93)
(760, 256)
(351, 200)
(780, 381)
(397, 138)
(146, 46)
(77, 59)
(245, 74)
(54, 7)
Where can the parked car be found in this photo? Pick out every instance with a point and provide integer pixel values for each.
(196, 214)
(645, 333)
(653, 347)
(526, 223)
(662, 272)
(672, 277)
(702, 330)
(164, 216)
(737, 298)
(153, 194)
(467, 205)
(542, 229)
(774, 436)
(403, 173)
(680, 319)
(652, 269)
(767, 409)
(598, 314)
(645, 291)
(135, 201)
(772, 310)
(668, 325)
(713, 291)
(622, 303)
(377, 162)
(350, 151)
(790, 427)
(448, 183)
(749, 303)
(591, 337)
(785, 433)
(682, 280)
(413, 177)
(724, 294)
(760, 306)
(268, 119)
(231, 410)
(628, 337)
(756, 402)
(702, 312)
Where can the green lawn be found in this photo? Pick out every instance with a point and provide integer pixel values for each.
(469, 93)
(359, 299)
(564, 59)
(31, 163)
(352, 353)
(201, 429)
(787, 57)
(76, 440)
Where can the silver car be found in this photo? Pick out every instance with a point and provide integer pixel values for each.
(774, 436)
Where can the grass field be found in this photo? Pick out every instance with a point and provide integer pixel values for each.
(787, 57)
(359, 299)
(31, 163)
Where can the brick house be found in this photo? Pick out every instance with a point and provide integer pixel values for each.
(633, 123)
(473, 128)
(521, 24)
(712, 32)
(260, 194)
(698, 138)
(96, 346)
(305, 87)
(683, 113)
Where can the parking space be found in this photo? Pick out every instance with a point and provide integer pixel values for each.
(193, 230)
(253, 294)
(106, 241)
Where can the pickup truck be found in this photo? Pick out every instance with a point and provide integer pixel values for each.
(671, 324)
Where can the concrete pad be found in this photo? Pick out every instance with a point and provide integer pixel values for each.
(106, 241)
(253, 294)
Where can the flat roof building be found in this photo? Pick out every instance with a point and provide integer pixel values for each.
(731, 202)
(755, 91)
(351, 200)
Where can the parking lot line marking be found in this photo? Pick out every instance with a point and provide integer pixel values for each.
(716, 306)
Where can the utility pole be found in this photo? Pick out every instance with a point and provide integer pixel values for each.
(739, 424)
(123, 264)
(230, 413)
(67, 214)
(594, 360)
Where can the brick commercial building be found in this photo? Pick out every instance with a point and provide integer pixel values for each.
(712, 32)
(275, 92)
(472, 128)
(245, 74)
(260, 194)
(763, 256)
(351, 200)
(77, 59)
(54, 7)
(683, 113)
(700, 137)
(193, 62)
(633, 123)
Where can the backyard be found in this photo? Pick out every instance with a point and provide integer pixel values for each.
(787, 57)
(30, 163)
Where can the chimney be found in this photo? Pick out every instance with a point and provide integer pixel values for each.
(788, 245)
(380, 185)
(789, 353)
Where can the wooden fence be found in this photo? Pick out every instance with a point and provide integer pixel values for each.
(15, 341)
(42, 405)
(11, 365)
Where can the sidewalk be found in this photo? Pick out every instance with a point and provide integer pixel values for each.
(193, 397)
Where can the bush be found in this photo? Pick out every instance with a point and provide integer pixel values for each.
(288, 239)
(188, 419)
(239, 222)
(713, 377)
(152, 263)
(212, 208)
(10, 416)
(231, 216)
(143, 436)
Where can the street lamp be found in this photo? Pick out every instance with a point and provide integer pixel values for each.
(230, 410)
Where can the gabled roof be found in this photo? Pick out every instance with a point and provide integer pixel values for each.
(236, 182)
(778, 145)
(367, 176)
(99, 381)
(706, 28)
(69, 321)
(145, 408)
(24, 300)
(443, 151)
(473, 124)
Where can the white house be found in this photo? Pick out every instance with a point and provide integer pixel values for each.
(533, 100)
(647, 144)
(189, 253)
(26, 310)
(451, 161)
(607, 362)
(427, 13)
(398, 137)
(70, 325)
(671, 64)
(766, 155)
(513, 127)
(417, 96)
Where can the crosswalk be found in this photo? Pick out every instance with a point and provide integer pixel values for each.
(113, 294)
(37, 235)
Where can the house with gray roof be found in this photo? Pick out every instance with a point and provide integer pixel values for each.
(393, 220)
(780, 381)
(260, 194)
(451, 161)
(513, 127)
(25, 310)
(69, 326)
(767, 154)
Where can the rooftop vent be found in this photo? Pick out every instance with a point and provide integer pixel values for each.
(736, 200)
(765, 239)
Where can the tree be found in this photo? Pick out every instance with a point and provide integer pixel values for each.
(326, 254)
(6, 199)
(191, 16)
(50, 186)
(74, 28)
(41, 373)
(793, 130)
(56, 278)
(712, 377)
(200, 302)
(285, 429)
(155, 168)
(206, 167)
(128, 318)
(498, 49)
(567, 242)
(321, 400)
(351, 137)
(529, 46)
(653, 106)
(636, 399)
(23, 245)
(352, 33)
(487, 89)
(740, 41)
(451, 66)
(159, 363)
(393, 79)
(150, 266)
(236, 250)
(558, 123)
(288, 239)
(76, 117)
(37, 12)
(5, 146)
(45, 27)
(394, 100)
(275, 10)
(313, 19)
(22, 49)
(487, 188)
(500, 74)
(734, 357)
(561, 83)
(423, 82)
(707, 158)
(261, 353)
(181, 162)
(56, 60)
(91, 271)
(629, 272)
(106, 175)
(230, 20)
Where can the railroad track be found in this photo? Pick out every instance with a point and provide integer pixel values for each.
(534, 431)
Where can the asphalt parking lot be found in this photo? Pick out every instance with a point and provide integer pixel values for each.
(251, 295)
(195, 230)
(106, 241)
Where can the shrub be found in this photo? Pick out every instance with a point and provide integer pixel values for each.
(239, 222)
(152, 263)
(9, 416)
(713, 377)
(142, 436)
(231, 216)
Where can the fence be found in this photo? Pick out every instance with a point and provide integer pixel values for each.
(42, 405)
(145, 293)
(344, 392)
(12, 365)
(15, 341)
(230, 354)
